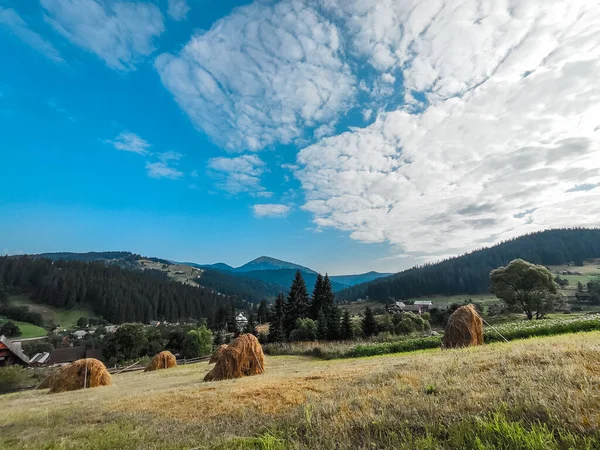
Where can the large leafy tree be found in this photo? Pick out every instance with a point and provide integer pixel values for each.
(197, 342)
(529, 286)
(9, 329)
(297, 305)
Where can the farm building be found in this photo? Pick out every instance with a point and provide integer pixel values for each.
(40, 359)
(241, 320)
(71, 354)
(11, 353)
(425, 305)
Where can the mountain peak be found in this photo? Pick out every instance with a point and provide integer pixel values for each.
(269, 263)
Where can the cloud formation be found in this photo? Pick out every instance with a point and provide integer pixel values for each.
(15, 23)
(162, 170)
(120, 33)
(178, 9)
(130, 142)
(508, 141)
(271, 210)
(239, 175)
(261, 75)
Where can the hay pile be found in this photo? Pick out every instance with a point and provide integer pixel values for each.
(242, 358)
(164, 360)
(217, 354)
(86, 373)
(464, 329)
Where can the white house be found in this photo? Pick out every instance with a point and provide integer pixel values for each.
(241, 320)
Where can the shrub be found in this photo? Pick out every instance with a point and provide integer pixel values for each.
(306, 330)
(12, 378)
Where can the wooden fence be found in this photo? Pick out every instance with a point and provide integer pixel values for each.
(137, 366)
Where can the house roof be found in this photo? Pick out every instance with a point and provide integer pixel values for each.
(14, 349)
(70, 354)
(40, 358)
(423, 302)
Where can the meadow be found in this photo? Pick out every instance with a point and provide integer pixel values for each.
(66, 318)
(28, 330)
(541, 393)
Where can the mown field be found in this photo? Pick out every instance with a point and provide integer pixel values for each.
(541, 393)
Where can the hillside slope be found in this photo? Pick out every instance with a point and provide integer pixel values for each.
(469, 274)
(479, 398)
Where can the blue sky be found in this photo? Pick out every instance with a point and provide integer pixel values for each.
(346, 136)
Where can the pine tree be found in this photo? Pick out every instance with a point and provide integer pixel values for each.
(347, 331)
(369, 323)
(331, 310)
(321, 326)
(317, 298)
(251, 325)
(263, 312)
(232, 325)
(298, 304)
(276, 330)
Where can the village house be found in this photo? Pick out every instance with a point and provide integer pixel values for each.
(11, 353)
(39, 359)
(241, 320)
(70, 354)
(79, 334)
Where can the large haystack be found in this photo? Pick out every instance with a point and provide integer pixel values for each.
(464, 329)
(49, 380)
(84, 373)
(242, 358)
(164, 360)
(217, 354)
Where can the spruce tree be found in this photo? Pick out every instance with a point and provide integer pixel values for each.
(369, 323)
(276, 330)
(298, 304)
(347, 331)
(322, 326)
(251, 325)
(263, 312)
(331, 310)
(317, 298)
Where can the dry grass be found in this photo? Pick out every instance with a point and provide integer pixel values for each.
(539, 390)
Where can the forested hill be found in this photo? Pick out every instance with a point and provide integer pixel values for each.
(117, 294)
(469, 274)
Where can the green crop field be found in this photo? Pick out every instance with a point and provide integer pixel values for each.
(66, 318)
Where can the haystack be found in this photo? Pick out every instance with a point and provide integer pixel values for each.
(242, 358)
(217, 354)
(464, 329)
(164, 360)
(84, 373)
(49, 380)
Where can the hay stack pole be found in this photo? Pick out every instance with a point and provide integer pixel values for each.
(464, 328)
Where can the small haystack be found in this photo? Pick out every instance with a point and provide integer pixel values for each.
(164, 360)
(242, 358)
(464, 329)
(84, 373)
(217, 354)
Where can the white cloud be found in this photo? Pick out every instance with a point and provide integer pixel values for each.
(169, 156)
(162, 170)
(178, 9)
(509, 141)
(130, 142)
(261, 75)
(238, 175)
(15, 23)
(271, 210)
(120, 33)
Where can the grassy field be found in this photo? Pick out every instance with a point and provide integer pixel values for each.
(66, 318)
(535, 394)
(28, 330)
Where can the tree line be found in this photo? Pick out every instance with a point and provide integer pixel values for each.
(118, 295)
(469, 274)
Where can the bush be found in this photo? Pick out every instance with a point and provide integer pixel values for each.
(12, 378)
(198, 342)
(9, 329)
(306, 330)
